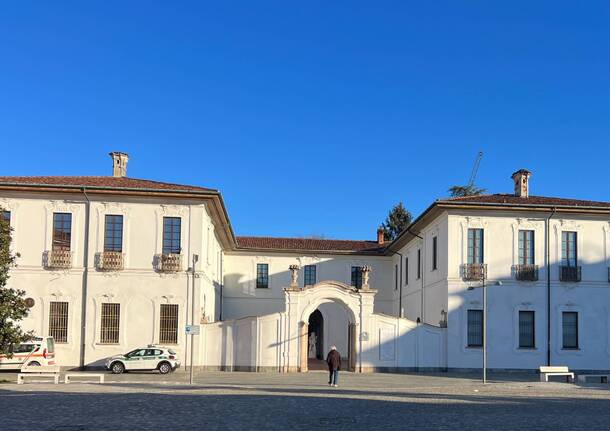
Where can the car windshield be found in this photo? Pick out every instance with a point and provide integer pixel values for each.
(136, 352)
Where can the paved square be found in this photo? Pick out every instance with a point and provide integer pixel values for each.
(236, 401)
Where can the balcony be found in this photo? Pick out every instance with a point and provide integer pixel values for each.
(57, 259)
(570, 273)
(526, 272)
(168, 262)
(110, 261)
(474, 271)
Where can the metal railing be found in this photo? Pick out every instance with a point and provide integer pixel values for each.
(525, 272)
(474, 271)
(168, 262)
(570, 273)
(110, 261)
(57, 259)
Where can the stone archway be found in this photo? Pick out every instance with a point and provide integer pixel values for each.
(302, 302)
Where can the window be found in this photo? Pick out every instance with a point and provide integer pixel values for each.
(168, 324)
(569, 255)
(527, 338)
(113, 233)
(434, 253)
(395, 277)
(110, 323)
(357, 277)
(262, 276)
(526, 247)
(570, 329)
(6, 216)
(418, 263)
(475, 328)
(406, 270)
(171, 235)
(62, 231)
(58, 321)
(310, 275)
(475, 246)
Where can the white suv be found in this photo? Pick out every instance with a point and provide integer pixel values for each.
(145, 359)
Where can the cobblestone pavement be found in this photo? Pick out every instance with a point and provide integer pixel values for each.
(236, 401)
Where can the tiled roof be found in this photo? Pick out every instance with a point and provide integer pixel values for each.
(308, 244)
(531, 200)
(101, 181)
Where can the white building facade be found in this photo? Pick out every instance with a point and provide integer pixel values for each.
(113, 263)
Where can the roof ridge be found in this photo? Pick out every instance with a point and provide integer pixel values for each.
(303, 238)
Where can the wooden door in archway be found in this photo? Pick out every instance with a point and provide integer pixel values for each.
(351, 347)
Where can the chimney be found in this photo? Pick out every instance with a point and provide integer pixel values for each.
(380, 237)
(119, 164)
(521, 179)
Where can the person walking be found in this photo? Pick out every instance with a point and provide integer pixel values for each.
(334, 365)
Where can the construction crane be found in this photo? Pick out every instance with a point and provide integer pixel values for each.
(470, 189)
(475, 169)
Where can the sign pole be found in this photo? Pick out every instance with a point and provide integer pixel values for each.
(195, 259)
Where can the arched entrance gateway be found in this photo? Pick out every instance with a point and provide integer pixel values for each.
(325, 314)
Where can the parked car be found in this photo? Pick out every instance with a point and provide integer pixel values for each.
(40, 351)
(148, 358)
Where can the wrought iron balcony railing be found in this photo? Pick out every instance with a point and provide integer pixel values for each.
(570, 273)
(526, 272)
(57, 259)
(168, 262)
(474, 271)
(110, 261)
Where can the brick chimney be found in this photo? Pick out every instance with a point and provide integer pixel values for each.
(380, 237)
(119, 163)
(521, 179)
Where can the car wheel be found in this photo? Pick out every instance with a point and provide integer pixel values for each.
(117, 368)
(164, 367)
(34, 364)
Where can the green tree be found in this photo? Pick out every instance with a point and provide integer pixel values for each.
(12, 302)
(398, 219)
(469, 190)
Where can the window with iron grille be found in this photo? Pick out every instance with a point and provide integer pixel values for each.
(570, 329)
(527, 333)
(168, 325)
(357, 277)
(171, 235)
(309, 273)
(262, 275)
(62, 231)
(526, 247)
(475, 328)
(6, 216)
(110, 323)
(569, 253)
(475, 246)
(58, 321)
(418, 263)
(434, 253)
(113, 233)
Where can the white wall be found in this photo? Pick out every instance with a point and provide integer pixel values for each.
(138, 288)
(434, 280)
(590, 297)
(241, 298)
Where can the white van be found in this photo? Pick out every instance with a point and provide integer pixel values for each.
(34, 353)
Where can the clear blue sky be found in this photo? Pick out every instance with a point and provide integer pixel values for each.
(312, 118)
